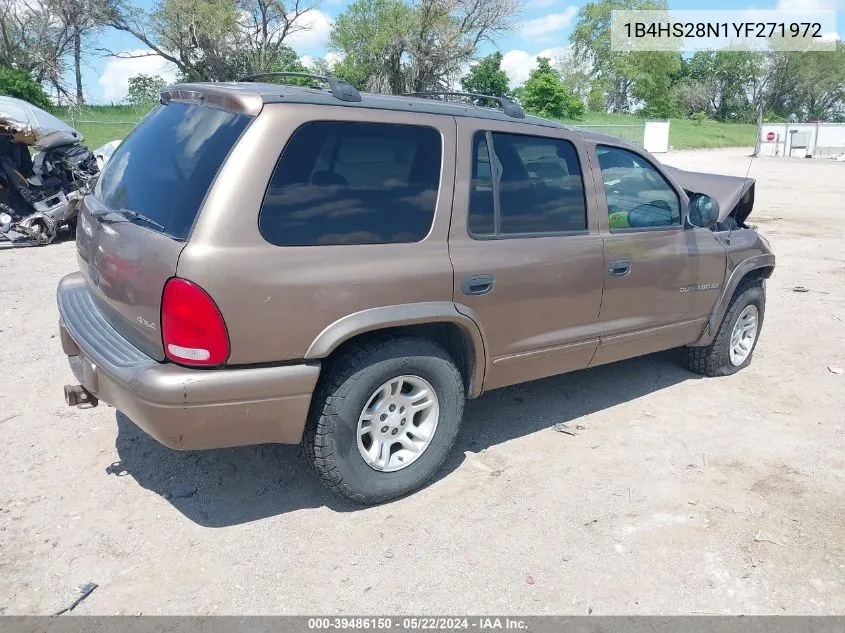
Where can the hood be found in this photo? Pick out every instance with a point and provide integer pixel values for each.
(734, 194)
(33, 126)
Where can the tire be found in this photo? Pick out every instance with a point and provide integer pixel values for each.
(349, 385)
(715, 359)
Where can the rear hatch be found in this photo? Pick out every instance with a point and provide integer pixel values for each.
(133, 227)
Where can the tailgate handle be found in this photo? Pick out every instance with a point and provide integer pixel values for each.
(477, 284)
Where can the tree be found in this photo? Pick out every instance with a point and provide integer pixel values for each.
(597, 97)
(265, 26)
(81, 19)
(620, 73)
(19, 84)
(545, 95)
(808, 85)
(732, 81)
(574, 73)
(214, 40)
(144, 89)
(33, 40)
(655, 73)
(487, 77)
(392, 46)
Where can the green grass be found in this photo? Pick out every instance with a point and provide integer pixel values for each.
(687, 134)
(683, 133)
(101, 124)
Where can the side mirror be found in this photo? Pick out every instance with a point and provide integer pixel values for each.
(703, 211)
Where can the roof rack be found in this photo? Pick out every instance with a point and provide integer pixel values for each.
(339, 89)
(508, 107)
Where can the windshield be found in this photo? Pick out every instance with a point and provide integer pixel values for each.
(164, 168)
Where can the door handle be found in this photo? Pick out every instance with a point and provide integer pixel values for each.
(619, 267)
(477, 284)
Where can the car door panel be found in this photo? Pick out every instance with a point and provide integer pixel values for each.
(662, 299)
(540, 315)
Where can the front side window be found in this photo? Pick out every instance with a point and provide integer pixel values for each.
(353, 183)
(526, 185)
(638, 196)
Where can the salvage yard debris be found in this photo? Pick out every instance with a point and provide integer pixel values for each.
(39, 192)
(763, 536)
(85, 591)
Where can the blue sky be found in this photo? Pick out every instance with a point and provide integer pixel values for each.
(543, 29)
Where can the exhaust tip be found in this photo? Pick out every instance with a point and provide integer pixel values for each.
(77, 396)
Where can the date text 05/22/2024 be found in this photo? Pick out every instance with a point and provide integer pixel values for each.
(478, 623)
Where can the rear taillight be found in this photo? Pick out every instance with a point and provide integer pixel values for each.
(192, 327)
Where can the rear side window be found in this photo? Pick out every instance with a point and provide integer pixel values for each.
(353, 183)
(166, 165)
(533, 185)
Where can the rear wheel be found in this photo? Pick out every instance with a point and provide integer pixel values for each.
(384, 418)
(734, 343)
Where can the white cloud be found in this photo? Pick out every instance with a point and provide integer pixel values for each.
(317, 34)
(540, 4)
(114, 80)
(831, 37)
(810, 5)
(548, 24)
(519, 64)
(331, 59)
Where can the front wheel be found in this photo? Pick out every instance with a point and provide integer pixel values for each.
(734, 343)
(384, 418)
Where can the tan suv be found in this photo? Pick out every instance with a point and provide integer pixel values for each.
(268, 263)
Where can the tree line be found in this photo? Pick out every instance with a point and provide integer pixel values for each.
(401, 46)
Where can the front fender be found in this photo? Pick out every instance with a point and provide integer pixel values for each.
(394, 316)
(763, 261)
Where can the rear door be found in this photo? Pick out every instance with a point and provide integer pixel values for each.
(162, 171)
(526, 248)
(661, 277)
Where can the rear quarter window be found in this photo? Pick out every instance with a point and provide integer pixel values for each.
(353, 183)
(165, 167)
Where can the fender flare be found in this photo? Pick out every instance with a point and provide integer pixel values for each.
(373, 319)
(764, 260)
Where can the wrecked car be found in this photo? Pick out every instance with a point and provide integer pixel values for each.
(261, 263)
(39, 191)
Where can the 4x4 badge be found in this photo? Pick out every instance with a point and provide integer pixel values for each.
(146, 323)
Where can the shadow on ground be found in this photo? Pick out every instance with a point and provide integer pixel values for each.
(225, 487)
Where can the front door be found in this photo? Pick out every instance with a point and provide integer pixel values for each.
(661, 277)
(526, 248)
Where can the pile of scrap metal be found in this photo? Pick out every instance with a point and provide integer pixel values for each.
(39, 191)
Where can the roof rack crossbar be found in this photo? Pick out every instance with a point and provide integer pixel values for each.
(339, 89)
(508, 107)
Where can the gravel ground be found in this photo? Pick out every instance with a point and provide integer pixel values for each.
(677, 495)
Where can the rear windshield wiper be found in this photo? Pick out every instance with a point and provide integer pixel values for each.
(126, 215)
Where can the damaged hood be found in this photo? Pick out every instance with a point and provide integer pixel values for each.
(33, 126)
(735, 194)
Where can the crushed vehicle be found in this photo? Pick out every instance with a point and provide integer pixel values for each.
(39, 191)
(261, 263)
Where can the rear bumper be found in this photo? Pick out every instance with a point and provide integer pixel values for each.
(180, 407)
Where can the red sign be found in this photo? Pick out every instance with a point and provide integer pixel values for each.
(770, 136)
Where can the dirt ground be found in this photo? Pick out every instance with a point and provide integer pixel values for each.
(677, 495)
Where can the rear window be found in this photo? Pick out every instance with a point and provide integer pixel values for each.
(353, 183)
(166, 165)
